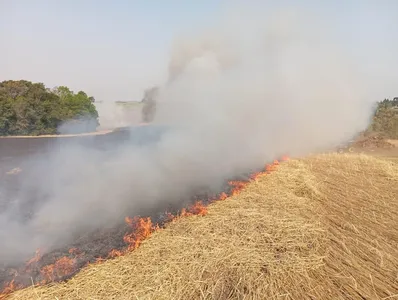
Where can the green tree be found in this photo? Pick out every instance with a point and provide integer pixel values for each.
(28, 108)
(385, 119)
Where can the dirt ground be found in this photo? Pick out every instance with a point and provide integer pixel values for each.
(375, 146)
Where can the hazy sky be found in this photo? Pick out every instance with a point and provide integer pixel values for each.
(115, 49)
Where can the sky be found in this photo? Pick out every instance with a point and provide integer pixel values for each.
(114, 50)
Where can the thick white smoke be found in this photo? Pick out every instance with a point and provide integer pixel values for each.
(238, 97)
(113, 115)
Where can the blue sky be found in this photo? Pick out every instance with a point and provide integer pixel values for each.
(115, 49)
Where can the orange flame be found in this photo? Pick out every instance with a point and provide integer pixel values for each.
(255, 176)
(33, 260)
(10, 287)
(285, 158)
(62, 267)
(142, 228)
(169, 217)
(222, 196)
(196, 209)
(238, 186)
(114, 253)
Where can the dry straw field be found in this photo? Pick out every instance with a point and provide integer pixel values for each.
(323, 227)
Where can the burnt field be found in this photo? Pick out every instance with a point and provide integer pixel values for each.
(96, 244)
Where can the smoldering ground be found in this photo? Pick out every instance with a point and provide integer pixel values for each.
(241, 94)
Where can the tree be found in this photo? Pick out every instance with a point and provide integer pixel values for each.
(385, 119)
(28, 108)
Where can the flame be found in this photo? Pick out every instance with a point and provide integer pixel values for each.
(140, 229)
(169, 217)
(113, 253)
(196, 209)
(62, 267)
(285, 158)
(255, 175)
(270, 168)
(222, 196)
(33, 260)
(10, 287)
(238, 186)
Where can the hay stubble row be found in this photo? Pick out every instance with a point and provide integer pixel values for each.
(324, 227)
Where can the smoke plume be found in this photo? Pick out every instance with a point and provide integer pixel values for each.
(238, 96)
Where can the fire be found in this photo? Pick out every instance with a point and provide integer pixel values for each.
(255, 176)
(113, 253)
(285, 158)
(271, 168)
(10, 287)
(62, 267)
(169, 217)
(222, 196)
(140, 229)
(196, 209)
(33, 260)
(238, 186)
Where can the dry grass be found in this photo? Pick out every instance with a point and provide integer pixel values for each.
(324, 227)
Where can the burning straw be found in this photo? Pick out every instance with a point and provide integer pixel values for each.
(319, 228)
(140, 228)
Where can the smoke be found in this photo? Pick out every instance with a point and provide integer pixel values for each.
(82, 125)
(113, 115)
(239, 95)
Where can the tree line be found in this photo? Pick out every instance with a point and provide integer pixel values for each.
(28, 108)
